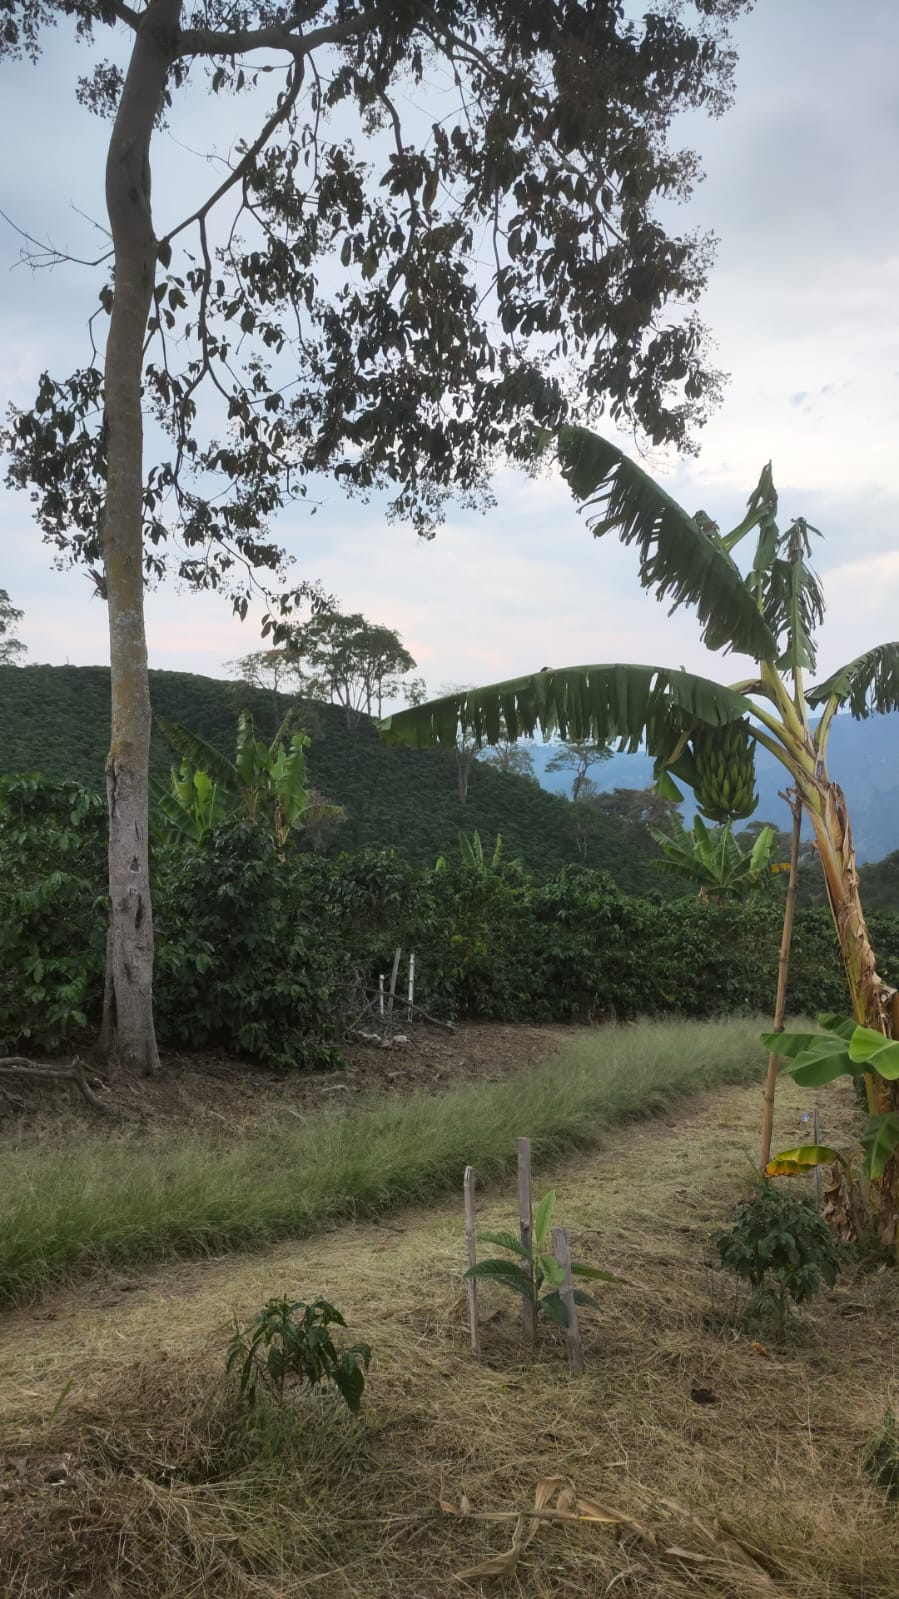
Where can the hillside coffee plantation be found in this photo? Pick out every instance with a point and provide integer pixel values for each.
(449, 1103)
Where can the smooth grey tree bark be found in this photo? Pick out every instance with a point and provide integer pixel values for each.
(127, 775)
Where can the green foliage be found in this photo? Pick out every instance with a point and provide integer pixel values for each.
(266, 783)
(714, 862)
(244, 961)
(52, 911)
(880, 1458)
(356, 663)
(782, 1248)
(280, 1347)
(844, 1049)
(402, 376)
(259, 947)
(681, 557)
(536, 1269)
(56, 719)
(10, 646)
(599, 703)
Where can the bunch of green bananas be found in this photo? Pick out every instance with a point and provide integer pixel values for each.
(725, 762)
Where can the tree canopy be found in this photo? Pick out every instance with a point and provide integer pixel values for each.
(380, 295)
(370, 292)
(11, 648)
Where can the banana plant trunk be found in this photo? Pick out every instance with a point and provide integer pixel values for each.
(127, 767)
(874, 1002)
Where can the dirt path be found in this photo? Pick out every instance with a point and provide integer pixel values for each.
(681, 1421)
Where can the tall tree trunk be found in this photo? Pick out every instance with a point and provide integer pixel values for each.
(127, 767)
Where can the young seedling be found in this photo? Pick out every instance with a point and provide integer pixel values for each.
(280, 1345)
(535, 1273)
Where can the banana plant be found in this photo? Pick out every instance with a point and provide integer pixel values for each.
(843, 1048)
(700, 731)
(714, 862)
(263, 781)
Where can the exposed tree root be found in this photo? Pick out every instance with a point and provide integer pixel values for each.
(18, 1069)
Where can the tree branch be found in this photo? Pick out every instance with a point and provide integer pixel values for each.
(205, 42)
(280, 113)
(124, 13)
(49, 255)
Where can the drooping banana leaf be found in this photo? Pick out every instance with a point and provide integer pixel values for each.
(868, 685)
(201, 755)
(681, 559)
(608, 703)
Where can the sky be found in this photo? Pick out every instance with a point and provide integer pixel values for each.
(799, 187)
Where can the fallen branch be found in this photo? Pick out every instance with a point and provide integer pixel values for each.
(18, 1069)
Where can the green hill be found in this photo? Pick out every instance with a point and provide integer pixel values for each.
(55, 720)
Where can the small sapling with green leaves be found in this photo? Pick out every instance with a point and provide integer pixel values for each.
(290, 1342)
(536, 1273)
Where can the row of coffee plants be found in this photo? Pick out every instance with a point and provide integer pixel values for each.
(263, 949)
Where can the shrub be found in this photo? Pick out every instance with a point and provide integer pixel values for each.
(782, 1248)
(53, 911)
(280, 1346)
(244, 962)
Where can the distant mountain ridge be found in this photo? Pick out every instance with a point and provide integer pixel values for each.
(863, 757)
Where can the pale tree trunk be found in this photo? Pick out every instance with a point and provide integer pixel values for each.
(874, 1002)
(464, 762)
(127, 767)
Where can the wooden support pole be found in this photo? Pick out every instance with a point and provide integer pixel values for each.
(526, 1230)
(471, 1285)
(783, 972)
(572, 1331)
(816, 1133)
(393, 976)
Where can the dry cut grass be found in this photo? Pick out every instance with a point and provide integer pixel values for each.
(738, 1466)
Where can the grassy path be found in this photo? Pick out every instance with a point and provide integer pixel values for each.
(125, 1202)
(168, 1497)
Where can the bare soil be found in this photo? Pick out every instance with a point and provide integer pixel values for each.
(207, 1089)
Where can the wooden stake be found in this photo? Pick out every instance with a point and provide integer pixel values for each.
(393, 976)
(816, 1126)
(572, 1332)
(526, 1229)
(783, 972)
(471, 1285)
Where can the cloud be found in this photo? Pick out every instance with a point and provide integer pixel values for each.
(801, 302)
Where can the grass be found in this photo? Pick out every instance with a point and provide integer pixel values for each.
(757, 1492)
(120, 1202)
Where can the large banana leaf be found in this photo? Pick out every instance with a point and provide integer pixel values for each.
(609, 703)
(680, 559)
(868, 684)
(790, 594)
(201, 755)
